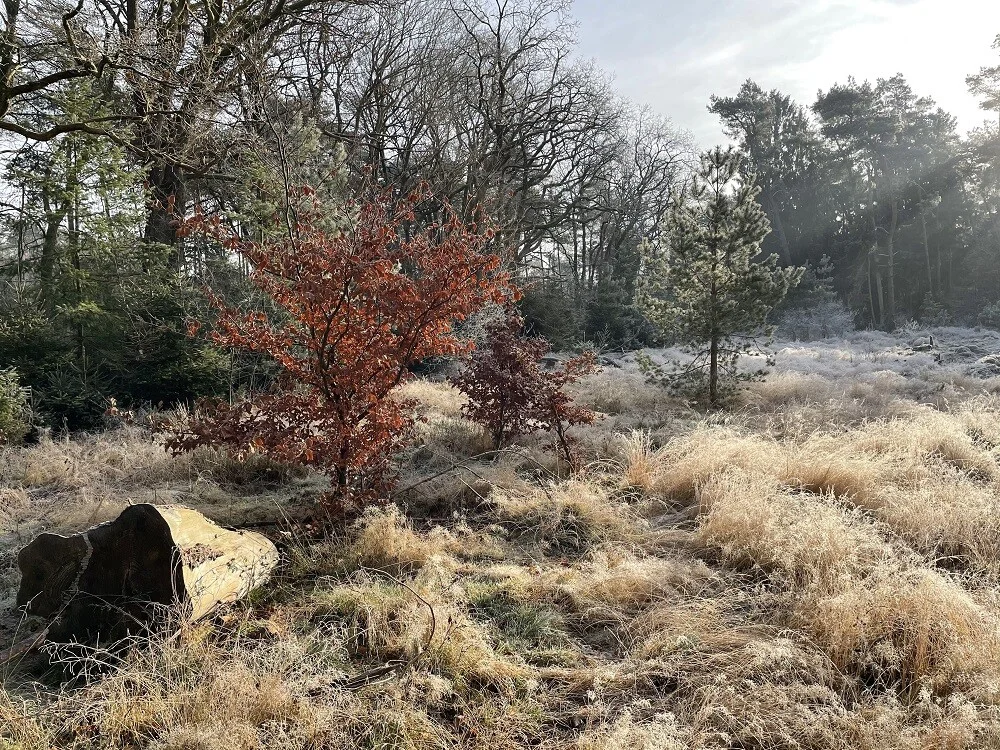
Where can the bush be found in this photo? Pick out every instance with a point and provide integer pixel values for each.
(134, 348)
(359, 307)
(989, 316)
(550, 312)
(813, 309)
(818, 320)
(509, 393)
(933, 312)
(15, 413)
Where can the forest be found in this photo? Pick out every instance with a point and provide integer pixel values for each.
(120, 122)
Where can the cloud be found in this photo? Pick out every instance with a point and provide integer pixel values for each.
(673, 55)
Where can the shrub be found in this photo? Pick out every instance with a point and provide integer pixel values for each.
(551, 312)
(813, 309)
(933, 312)
(989, 316)
(14, 411)
(511, 395)
(358, 308)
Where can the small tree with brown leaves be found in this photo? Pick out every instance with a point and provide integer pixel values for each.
(554, 408)
(510, 394)
(358, 308)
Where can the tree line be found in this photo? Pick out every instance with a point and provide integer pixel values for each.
(122, 121)
(874, 184)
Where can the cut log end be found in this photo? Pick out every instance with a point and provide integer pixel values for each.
(150, 565)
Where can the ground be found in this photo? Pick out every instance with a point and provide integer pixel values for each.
(815, 567)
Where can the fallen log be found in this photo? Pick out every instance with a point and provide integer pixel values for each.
(150, 566)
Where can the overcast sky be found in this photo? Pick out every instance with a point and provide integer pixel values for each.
(673, 54)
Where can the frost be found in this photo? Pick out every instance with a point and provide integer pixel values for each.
(871, 355)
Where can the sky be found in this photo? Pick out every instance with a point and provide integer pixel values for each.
(673, 54)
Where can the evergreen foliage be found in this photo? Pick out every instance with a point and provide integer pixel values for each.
(709, 288)
(15, 412)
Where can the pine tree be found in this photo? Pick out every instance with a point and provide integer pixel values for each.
(707, 286)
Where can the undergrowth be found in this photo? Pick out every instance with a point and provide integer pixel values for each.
(807, 572)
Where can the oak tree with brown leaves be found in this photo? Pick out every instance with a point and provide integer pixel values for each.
(358, 308)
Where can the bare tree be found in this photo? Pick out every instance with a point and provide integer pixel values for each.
(174, 73)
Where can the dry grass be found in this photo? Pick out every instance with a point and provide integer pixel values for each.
(383, 539)
(73, 484)
(569, 517)
(754, 523)
(612, 586)
(676, 471)
(908, 629)
(818, 569)
(662, 732)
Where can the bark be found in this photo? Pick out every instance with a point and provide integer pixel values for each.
(153, 565)
(880, 295)
(713, 370)
(890, 268)
(74, 251)
(927, 251)
(871, 288)
(779, 229)
(49, 258)
(167, 200)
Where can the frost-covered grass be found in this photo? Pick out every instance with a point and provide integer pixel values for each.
(863, 355)
(814, 568)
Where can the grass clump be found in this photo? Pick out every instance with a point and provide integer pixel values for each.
(756, 523)
(568, 518)
(906, 630)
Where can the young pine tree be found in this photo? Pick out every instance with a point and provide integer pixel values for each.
(708, 288)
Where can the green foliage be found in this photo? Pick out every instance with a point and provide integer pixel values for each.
(933, 312)
(786, 154)
(989, 316)
(90, 311)
(524, 624)
(815, 287)
(15, 412)
(613, 321)
(129, 342)
(550, 312)
(813, 309)
(986, 84)
(896, 170)
(707, 285)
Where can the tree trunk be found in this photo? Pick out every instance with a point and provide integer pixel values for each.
(167, 202)
(49, 258)
(927, 252)
(74, 251)
(891, 268)
(871, 288)
(880, 293)
(150, 567)
(713, 370)
(779, 229)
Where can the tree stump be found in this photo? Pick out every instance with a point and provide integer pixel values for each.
(150, 566)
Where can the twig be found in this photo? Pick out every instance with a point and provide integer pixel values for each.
(430, 608)
(370, 676)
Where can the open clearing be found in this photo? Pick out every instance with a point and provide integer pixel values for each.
(817, 568)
